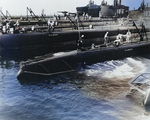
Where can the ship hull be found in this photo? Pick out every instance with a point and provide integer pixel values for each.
(75, 60)
(55, 40)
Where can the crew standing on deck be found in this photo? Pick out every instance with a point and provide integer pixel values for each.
(50, 25)
(80, 43)
(106, 39)
(128, 35)
(118, 40)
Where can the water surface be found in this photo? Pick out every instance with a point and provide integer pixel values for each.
(99, 92)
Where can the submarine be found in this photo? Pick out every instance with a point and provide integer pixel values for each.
(64, 62)
(58, 38)
(53, 39)
(75, 60)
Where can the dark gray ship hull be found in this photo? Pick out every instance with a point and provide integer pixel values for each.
(54, 40)
(75, 60)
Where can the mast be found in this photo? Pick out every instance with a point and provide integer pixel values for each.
(116, 2)
(119, 2)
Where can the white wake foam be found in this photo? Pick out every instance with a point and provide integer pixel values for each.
(114, 69)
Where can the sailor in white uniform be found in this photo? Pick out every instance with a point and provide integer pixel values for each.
(118, 40)
(106, 38)
(128, 35)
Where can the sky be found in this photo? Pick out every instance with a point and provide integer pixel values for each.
(18, 7)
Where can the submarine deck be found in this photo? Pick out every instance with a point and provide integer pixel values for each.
(96, 48)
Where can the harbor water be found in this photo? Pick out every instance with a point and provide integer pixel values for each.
(99, 92)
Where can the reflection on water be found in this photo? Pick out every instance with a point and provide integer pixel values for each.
(98, 92)
(23, 54)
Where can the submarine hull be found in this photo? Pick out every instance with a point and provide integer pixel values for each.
(75, 60)
(55, 40)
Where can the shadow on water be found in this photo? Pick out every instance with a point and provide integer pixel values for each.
(71, 78)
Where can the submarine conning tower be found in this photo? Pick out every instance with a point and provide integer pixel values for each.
(104, 10)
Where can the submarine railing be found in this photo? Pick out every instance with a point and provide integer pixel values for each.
(49, 74)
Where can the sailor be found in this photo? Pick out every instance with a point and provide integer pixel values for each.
(92, 46)
(17, 23)
(55, 20)
(49, 22)
(80, 43)
(128, 35)
(4, 29)
(90, 17)
(118, 40)
(50, 25)
(32, 28)
(55, 17)
(119, 37)
(90, 26)
(7, 27)
(76, 18)
(58, 17)
(16, 27)
(117, 43)
(106, 38)
(84, 15)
